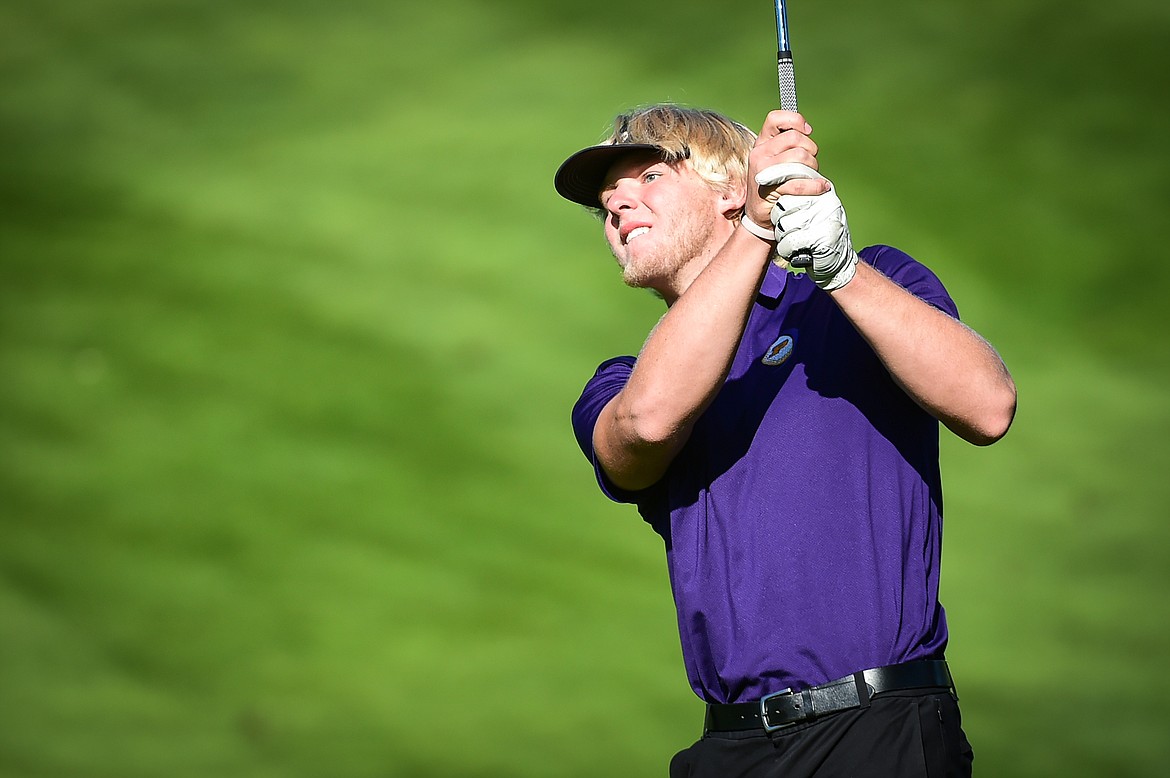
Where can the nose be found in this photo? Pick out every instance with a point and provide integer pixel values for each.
(621, 196)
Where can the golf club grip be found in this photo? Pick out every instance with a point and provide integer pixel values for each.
(786, 77)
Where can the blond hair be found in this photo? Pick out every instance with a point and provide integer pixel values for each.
(715, 146)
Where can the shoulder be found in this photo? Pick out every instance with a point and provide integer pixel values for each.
(910, 274)
(891, 261)
(609, 378)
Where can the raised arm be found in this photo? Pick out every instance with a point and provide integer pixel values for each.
(687, 356)
(680, 368)
(944, 365)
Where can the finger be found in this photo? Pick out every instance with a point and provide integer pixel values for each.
(766, 157)
(780, 174)
(789, 204)
(796, 241)
(780, 121)
(804, 187)
(791, 213)
(796, 188)
(788, 143)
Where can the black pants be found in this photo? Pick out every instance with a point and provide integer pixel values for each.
(900, 735)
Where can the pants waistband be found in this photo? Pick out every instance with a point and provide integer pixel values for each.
(793, 706)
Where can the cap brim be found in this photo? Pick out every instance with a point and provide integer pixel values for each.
(580, 177)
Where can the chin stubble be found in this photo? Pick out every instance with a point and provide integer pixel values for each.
(663, 262)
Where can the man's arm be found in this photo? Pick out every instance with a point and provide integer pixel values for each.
(681, 367)
(687, 356)
(941, 363)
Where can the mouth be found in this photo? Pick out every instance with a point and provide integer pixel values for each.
(637, 232)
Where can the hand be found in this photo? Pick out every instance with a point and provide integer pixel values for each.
(783, 138)
(815, 224)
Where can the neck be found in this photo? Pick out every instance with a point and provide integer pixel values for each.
(690, 270)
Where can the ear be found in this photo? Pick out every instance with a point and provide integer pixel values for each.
(731, 203)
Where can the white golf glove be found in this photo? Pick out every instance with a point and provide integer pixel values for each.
(814, 224)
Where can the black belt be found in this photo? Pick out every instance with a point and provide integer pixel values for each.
(787, 707)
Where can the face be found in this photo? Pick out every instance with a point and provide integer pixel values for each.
(659, 218)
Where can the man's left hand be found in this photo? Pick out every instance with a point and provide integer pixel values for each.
(815, 224)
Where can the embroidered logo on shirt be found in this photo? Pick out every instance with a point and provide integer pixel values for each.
(779, 351)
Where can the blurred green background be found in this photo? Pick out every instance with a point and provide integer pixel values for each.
(291, 322)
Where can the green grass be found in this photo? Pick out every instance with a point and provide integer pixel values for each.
(291, 323)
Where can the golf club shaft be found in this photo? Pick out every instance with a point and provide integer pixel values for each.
(784, 71)
(787, 80)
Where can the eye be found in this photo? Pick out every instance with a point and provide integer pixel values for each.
(651, 176)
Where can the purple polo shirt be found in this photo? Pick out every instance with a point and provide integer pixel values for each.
(803, 518)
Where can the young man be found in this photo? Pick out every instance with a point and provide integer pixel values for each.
(780, 432)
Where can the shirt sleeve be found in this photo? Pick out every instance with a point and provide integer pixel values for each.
(911, 275)
(609, 379)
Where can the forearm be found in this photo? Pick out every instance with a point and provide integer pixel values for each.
(946, 367)
(682, 365)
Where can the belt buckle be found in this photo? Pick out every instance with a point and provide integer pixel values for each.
(769, 727)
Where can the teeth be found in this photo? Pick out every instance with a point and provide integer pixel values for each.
(635, 233)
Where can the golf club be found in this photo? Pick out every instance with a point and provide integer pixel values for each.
(787, 79)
